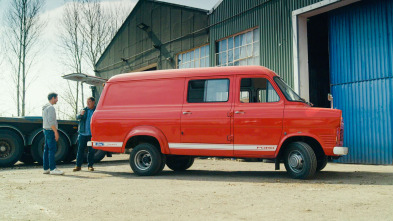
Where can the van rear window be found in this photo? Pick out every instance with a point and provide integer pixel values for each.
(212, 90)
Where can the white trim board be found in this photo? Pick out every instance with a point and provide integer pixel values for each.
(299, 41)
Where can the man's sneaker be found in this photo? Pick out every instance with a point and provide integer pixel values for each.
(90, 169)
(56, 172)
(46, 171)
(77, 169)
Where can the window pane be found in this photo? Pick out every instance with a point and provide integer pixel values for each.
(256, 34)
(256, 49)
(272, 95)
(237, 41)
(217, 90)
(191, 55)
(224, 58)
(243, 52)
(260, 90)
(207, 50)
(222, 45)
(202, 51)
(230, 56)
(248, 37)
(196, 91)
(243, 39)
(237, 54)
(244, 96)
(249, 50)
(197, 63)
(230, 43)
(207, 62)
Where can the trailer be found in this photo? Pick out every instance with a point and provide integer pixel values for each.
(22, 139)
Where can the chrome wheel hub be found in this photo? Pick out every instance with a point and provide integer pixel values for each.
(5, 149)
(295, 161)
(142, 160)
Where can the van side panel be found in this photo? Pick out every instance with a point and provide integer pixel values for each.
(129, 104)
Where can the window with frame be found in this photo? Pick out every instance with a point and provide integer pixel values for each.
(196, 58)
(239, 50)
(212, 90)
(257, 90)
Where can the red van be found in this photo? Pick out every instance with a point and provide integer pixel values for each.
(169, 117)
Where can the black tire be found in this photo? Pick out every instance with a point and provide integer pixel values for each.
(321, 163)
(163, 162)
(11, 148)
(98, 155)
(71, 154)
(26, 158)
(300, 160)
(179, 163)
(37, 149)
(146, 160)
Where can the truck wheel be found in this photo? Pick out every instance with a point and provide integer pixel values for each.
(321, 163)
(11, 148)
(70, 155)
(26, 158)
(37, 149)
(300, 160)
(179, 163)
(145, 160)
(163, 161)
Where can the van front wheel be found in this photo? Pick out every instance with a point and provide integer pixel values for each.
(300, 160)
(145, 160)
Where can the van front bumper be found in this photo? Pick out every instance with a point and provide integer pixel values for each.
(340, 151)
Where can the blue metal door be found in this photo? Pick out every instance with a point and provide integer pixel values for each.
(361, 73)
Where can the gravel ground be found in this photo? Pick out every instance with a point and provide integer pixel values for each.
(209, 190)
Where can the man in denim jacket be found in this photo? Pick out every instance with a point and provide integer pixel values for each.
(85, 135)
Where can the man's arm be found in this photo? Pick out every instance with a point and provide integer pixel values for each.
(56, 132)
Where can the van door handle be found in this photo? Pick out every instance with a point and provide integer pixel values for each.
(240, 112)
(187, 112)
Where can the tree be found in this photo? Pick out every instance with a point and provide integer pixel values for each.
(72, 43)
(24, 27)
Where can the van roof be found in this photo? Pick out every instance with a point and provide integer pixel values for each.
(175, 73)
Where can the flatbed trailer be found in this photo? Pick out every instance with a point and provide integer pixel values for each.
(22, 139)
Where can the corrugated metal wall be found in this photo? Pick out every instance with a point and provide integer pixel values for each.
(274, 19)
(361, 59)
(170, 26)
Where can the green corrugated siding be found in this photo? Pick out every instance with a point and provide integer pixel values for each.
(274, 19)
(167, 23)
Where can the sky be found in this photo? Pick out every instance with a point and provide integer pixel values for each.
(48, 66)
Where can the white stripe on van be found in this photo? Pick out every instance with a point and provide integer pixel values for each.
(242, 147)
(107, 144)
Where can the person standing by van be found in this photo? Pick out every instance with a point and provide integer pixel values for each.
(85, 135)
(50, 126)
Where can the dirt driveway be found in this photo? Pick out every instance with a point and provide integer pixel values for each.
(210, 190)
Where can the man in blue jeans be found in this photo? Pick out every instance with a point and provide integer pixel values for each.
(85, 135)
(50, 126)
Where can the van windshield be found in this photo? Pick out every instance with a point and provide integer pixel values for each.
(287, 91)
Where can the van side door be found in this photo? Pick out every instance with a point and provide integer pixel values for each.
(206, 117)
(258, 116)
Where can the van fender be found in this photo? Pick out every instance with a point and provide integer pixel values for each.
(296, 135)
(148, 131)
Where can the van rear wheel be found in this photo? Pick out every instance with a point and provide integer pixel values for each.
(146, 160)
(179, 163)
(300, 160)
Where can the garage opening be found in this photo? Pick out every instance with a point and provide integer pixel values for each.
(318, 59)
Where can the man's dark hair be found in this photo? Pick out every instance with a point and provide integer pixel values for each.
(51, 95)
(91, 98)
